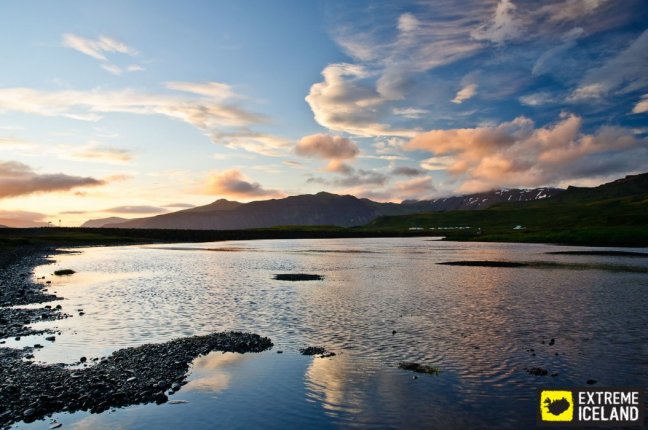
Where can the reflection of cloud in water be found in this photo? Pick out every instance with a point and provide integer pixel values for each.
(209, 372)
(328, 380)
(97, 422)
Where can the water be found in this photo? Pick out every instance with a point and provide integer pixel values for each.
(477, 324)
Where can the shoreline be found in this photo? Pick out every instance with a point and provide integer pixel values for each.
(12, 239)
(138, 375)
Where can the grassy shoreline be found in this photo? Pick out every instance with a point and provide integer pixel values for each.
(15, 238)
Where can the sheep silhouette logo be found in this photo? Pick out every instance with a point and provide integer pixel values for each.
(556, 406)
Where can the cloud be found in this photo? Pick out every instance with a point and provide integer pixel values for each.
(179, 206)
(642, 105)
(203, 113)
(208, 107)
(516, 153)
(406, 171)
(293, 164)
(135, 210)
(22, 219)
(327, 147)
(353, 177)
(411, 113)
(349, 176)
(346, 102)
(332, 148)
(465, 93)
(536, 99)
(569, 10)
(103, 154)
(502, 26)
(135, 68)
(232, 183)
(112, 68)
(18, 179)
(411, 189)
(97, 48)
(213, 90)
(441, 163)
(624, 73)
(251, 141)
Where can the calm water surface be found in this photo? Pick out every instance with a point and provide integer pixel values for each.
(476, 324)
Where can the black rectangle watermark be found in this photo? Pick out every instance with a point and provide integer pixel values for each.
(605, 407)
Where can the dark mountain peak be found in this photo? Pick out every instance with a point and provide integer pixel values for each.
(218, 205)
(631, 185)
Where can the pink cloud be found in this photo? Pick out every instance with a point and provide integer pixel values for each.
(516, 153)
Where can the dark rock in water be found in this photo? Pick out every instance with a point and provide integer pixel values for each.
(419, 368)
(46, 389)
(537, 371)
(279, 352)
(50, 338)
(483, 263)
(297, 277)
(160, 397)
(83, 359)
(316, 350)
(552, 341)
(64, 272)
(591, 381)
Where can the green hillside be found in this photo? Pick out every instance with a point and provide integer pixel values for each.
(611, 214)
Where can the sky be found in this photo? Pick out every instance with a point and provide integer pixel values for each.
(136, 108)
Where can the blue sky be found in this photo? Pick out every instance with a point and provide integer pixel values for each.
(135, 108)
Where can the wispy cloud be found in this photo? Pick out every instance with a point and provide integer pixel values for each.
(537, 99)
(642, 105)
(134, 210)
(100, 49)
(503, 25)
(102, 154)
(465, 93)
(624, 73)
(97, 48)
(208, 107)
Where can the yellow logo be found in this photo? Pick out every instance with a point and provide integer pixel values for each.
(556, 406)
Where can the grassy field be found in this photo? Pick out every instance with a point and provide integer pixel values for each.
(52, 236)
(574, 220)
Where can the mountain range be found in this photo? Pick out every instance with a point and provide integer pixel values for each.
(314, 209)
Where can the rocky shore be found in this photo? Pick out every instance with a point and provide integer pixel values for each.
(144, 374)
